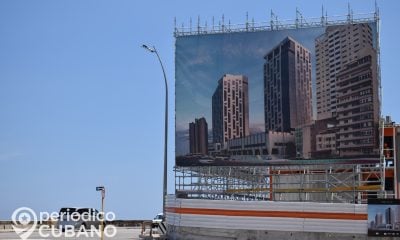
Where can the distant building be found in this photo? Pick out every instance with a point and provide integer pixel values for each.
(372, 225)
(230, 109)
(390, 216)
(287, 87)
(378, 219)
(397, 215)
(198, 136)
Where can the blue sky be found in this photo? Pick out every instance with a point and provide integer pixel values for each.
(81, 104)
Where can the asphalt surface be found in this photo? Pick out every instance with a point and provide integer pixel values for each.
(121, 233)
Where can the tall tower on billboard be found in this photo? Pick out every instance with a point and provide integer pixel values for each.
(333, 50)
(287, 86)
(198, 136)
(230, 108)
(347, 87)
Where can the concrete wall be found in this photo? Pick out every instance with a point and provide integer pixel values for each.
(6, 226)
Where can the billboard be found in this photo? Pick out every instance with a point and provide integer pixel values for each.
(253, 97)
(384, 218)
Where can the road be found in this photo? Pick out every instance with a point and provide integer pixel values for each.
(122, 233)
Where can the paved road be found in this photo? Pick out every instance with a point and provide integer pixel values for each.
(122, 233)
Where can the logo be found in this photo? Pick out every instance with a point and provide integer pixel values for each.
(69, 224)
(24, 222)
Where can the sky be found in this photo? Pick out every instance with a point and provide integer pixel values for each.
(82, 104)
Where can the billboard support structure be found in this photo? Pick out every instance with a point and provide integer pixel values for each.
(275, 23)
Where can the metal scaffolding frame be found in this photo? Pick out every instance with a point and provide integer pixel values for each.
(274, 23)
(330, 182)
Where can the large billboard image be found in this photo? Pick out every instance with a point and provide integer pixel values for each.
(253, 97)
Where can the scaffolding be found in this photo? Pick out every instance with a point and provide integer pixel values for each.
(223, 26)
(322, 181)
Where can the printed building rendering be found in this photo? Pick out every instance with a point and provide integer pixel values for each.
(230, 108)
(287, 86)
(313, 94)
(347, 89)
(198, 136)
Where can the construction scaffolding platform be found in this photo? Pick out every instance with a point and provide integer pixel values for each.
(343, 181)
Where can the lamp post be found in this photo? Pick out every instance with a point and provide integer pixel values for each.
(154, 50)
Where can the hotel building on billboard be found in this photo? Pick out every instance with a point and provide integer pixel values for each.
(230, 109)
(288, 94)
(287, 87)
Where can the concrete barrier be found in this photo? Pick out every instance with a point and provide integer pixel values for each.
(6, 226)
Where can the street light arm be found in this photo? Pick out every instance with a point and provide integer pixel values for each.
(162, 67)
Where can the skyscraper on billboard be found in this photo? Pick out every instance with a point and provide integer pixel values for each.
(230, 108)
(358, 107)
(390, 216)
(378, 219)
(287, 86)
(347, 87)
(338, 46)
(198, 136)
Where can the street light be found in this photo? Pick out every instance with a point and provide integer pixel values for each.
(154, 50)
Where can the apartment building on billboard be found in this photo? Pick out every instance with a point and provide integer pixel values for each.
(339, 46)
(198, 136)
(347, 90)
(358, 107)
(287, 87)
(230, 109)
